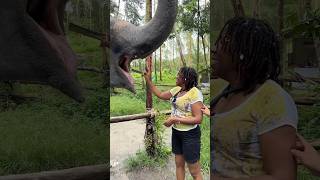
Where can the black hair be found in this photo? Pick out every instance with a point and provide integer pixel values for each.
(191, 77)
(254, 46)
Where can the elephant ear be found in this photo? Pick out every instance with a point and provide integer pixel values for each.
(34, 48)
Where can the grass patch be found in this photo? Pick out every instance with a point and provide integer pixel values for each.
(142, 159)
(205, 144)
(132, 105)
(126, 103)
(304, 174)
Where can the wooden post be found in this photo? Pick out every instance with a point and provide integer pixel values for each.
(256, 8)
(238, 8)
(155, 67)
(150, 135)
(160, 64)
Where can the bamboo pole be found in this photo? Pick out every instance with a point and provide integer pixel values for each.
(132, 117)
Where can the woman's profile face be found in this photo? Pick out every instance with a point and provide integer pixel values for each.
(222, 61)
(180, 79)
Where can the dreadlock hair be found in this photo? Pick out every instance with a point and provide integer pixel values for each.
(254, 46)
(191, 77)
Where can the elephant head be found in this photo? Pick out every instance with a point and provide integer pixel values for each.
(34, 47)
(129, 42)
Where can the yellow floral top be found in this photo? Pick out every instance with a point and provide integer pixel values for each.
(234, 141)
(181, 106)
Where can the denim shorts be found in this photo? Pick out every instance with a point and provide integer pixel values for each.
(187, 143)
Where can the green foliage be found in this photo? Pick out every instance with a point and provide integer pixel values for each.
(309, 118)
(188, 17)
(304, 174)
(310, 27)
(131, 10)
(205, 144)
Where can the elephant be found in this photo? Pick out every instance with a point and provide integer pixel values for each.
(129, 42)
(34, 47)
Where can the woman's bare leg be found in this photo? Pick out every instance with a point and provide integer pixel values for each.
(195, 170)
(180, 166)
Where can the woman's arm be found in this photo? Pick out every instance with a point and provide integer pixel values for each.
(308, 156)
(278, 162)
(162, 95)
(196, 117)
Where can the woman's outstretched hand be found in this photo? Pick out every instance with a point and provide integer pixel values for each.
(205, 110)
(307, 155)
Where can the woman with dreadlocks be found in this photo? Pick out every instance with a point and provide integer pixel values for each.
(253, 119)
(186, 116)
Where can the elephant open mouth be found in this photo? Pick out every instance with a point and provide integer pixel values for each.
(34, 48)
(48, 15)
(124, 64)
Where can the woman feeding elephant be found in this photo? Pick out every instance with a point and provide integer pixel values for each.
(186, 115)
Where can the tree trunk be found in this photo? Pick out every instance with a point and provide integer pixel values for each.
(155, 66)
(180, 50)
(118, 8)
(150, 135)
(204, 51)
(238, 8)
(142, 78)
(96, 16)
(190, 49)
(282, 43)
(307, 5)
(316, 42)
(280, 14)
(256, 8)
(301, 9)
(198, 37)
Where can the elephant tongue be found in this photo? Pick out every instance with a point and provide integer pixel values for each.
(60, 45)
(130, 79)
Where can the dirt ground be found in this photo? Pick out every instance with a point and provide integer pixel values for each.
(126, 139)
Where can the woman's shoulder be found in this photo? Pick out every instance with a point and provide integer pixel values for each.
(195, 93)
(271, 91)
(175, 90)
(272, 88)
(195, 90)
